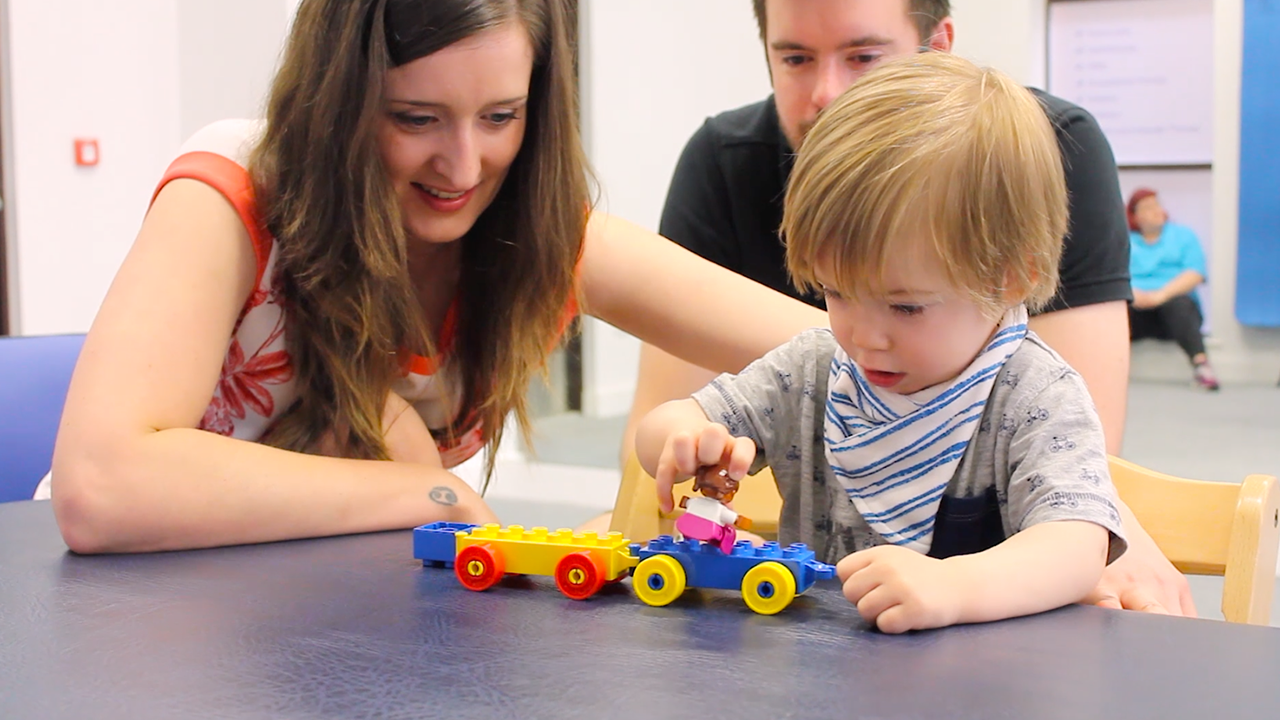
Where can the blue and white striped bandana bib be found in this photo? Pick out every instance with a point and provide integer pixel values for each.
(895, 454)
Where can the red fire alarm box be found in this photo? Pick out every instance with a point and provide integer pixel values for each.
(86, 152)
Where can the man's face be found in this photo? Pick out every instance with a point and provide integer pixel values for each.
(818, 48)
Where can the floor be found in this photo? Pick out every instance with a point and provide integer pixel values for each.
(1209, 436)
(1171, 427)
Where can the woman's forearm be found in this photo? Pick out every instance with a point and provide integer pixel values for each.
(1183, 283)
(183, 488)
(696, 310)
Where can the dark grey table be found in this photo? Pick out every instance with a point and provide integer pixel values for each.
(354, 627)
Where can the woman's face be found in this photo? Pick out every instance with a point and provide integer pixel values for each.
(452, 124)
(1149, 215)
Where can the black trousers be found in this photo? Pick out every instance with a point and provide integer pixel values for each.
(1178, 320)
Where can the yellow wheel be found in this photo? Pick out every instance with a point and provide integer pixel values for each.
(658, 580)
(768, 588)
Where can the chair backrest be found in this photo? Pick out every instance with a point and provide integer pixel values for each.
(1204, 528)
(1212, 528)
(34, 375)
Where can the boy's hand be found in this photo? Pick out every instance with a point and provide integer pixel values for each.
(686, 451)
(898, 589)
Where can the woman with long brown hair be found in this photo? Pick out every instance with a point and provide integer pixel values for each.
(373, 274)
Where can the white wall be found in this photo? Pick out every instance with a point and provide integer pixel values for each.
(138, 75)
(83, 69)
(1008, 35)
(652, 72)
(216, 82)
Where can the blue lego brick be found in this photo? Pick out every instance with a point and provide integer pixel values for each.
(437, 542)
(707, 566)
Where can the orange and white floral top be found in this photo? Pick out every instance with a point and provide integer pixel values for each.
(257, 381)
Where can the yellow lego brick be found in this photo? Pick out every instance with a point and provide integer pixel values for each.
(536, 551)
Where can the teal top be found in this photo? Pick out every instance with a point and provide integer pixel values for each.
(1153, 265)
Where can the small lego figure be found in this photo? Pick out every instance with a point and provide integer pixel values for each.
(714, 482)
(708, 518)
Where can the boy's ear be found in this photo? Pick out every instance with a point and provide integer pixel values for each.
(1010, 293)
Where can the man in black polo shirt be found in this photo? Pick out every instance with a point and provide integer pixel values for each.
(725, 204)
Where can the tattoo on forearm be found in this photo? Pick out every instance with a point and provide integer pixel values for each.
(443, 495)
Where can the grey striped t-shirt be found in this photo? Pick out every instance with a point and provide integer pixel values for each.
(1038, 455)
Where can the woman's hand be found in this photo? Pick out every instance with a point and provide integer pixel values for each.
(1147, 299)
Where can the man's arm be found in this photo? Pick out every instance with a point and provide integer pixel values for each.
(1094, 339)
(659, 292)
(1087, 322)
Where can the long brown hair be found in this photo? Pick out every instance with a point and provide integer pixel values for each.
(351, 308)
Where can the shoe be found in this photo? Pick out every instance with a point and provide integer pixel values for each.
(1206, 378)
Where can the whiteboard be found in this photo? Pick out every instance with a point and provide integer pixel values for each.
(1144, 69)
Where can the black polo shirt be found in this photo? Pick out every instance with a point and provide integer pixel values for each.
(725, 202)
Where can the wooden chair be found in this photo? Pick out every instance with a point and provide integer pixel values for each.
(1212, 528)
(1204, 528)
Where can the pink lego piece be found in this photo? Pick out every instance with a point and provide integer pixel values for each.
(699, 528)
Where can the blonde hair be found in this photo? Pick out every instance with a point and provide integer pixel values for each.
(931, 148)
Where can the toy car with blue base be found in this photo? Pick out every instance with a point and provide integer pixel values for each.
(769, 576)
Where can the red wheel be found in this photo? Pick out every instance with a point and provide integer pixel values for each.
(579, 575)
(478, 567)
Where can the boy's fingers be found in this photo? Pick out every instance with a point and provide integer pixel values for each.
(713, 443)
(871, 601)
(741, 455)
(894, 620)
(685, 453)
(856, 587)
(669, 470)
(852, 563)
(665, 480)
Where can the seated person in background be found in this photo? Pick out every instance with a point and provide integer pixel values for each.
(1166, 264)
(948, 461)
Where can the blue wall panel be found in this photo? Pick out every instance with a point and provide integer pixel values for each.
(1258, 275)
